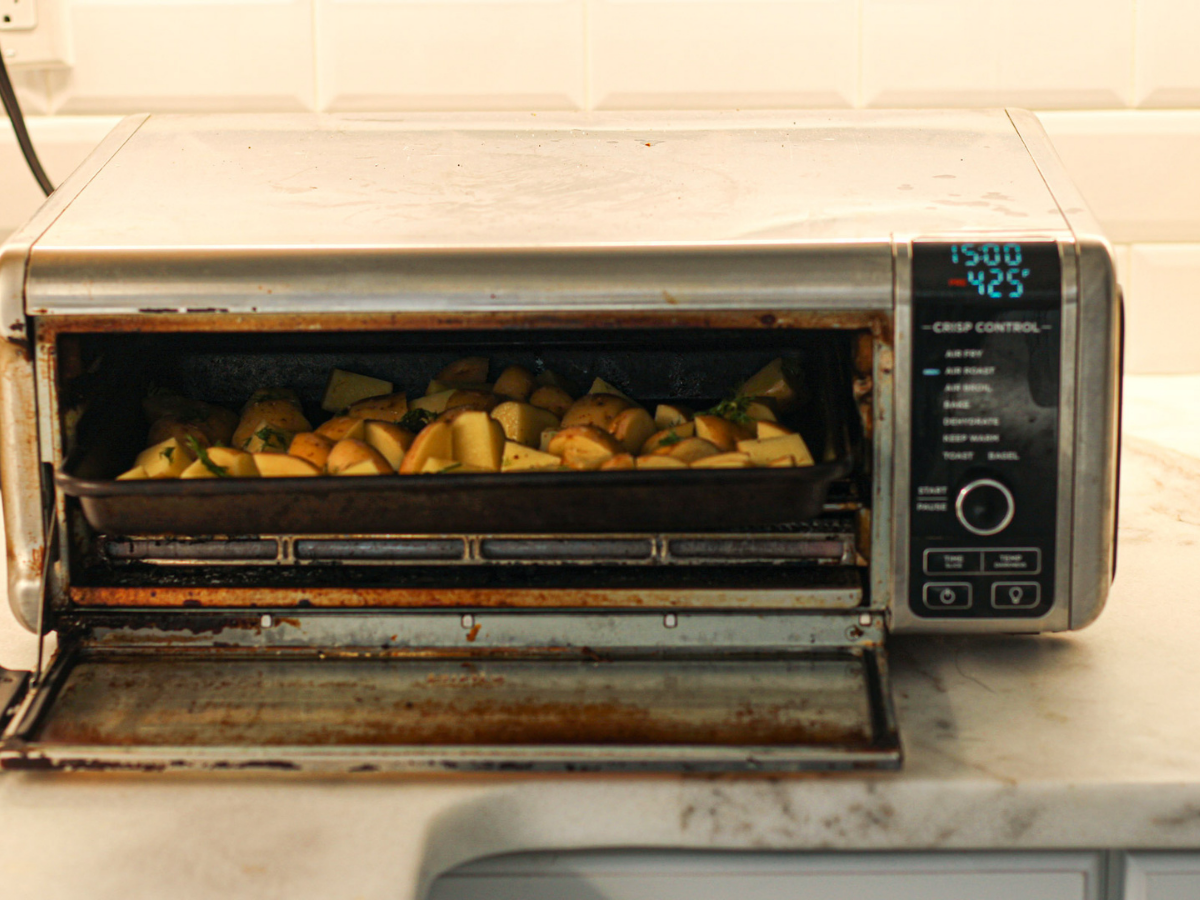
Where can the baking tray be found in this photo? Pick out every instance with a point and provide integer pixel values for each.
(474, 503)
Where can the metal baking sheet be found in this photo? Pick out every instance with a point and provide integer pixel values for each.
(479, 503)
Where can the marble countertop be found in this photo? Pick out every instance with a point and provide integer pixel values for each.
(1084, 740)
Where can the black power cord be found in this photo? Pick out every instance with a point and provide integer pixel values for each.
(9, 96)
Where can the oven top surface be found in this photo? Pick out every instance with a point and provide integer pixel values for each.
(300, 210)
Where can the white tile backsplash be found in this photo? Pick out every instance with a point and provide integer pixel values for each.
(723, 54)
(1139, 171)
(1041, 54)
(1168, 64)
(1162, 309)
(434, 54)
(187, 55)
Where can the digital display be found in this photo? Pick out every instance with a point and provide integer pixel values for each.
(989, 272)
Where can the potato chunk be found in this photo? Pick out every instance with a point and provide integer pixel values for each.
(552, 399)
(434, 441)
(472, 399)
(734, 460)
(470, 370)
(478, 440)
(137, 473)
(765, 429)
(515, 382)
(345, 388)
(350, 452)
(584, 446)
(222, 462)
(660, 462)
(722, 432)
(620, 462)
(383, 408)
(668, 414)
(389, 439)
(689, 450)
(524, 422)
(266, 438)
(434, 402)
(775, 380)
(274, 408)
(595, 409)
(632, 427)
(310, 446)
(341, 427)
(167, 459)
(280, 465)
(519, 458)
(668, 436)
(764, 451)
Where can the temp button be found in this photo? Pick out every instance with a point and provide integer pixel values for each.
(947, 595)
(1024, 560)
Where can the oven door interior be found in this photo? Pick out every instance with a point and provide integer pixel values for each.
(786, 692)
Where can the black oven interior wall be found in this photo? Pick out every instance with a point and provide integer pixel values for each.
(102, 379)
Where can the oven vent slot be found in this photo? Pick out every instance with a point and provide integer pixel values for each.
(828, 542)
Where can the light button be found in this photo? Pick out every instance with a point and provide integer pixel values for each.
(1016, 594)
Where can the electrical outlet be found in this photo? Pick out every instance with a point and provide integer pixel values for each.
(32, 34)
(18, 15)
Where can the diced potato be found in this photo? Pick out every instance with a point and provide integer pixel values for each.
(436, 387)
(272, 395)
(384, 408)
(350, 452)
(722, 432)
(595, 409)
(632, 427)
(764, 430)
(433, 402)
(167, 459)
(470, 370)
(774, 380)
(515, 382)
(668, 414)
(478, 440)
(547, 437)
(435, 464)
(171, 427)
(366, 467)
(584, 446)
(280, 465)
(472, 399)
(523, 422)
(734, 460)
(137, 473)
(660, 462)
(434, 441)
(553, 379)
(784, 462)
(552, 399)
(519, 458)
(600, 386)
(764, 451)
(345, 388)
(341, 427)
(689, 450)
(266, 438)
(619, 462)
(761, 410)
(207, 423)
(390, 440)
(222, 462)
(280, 413)
(310, 446)
(668, 436)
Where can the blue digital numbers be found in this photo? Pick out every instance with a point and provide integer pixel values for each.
(994, 270)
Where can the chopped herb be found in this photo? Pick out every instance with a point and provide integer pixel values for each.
(202, 455)
(733, 409)
(272, 436)
(669, 439)
(416, 419)
(167, 453)
(457, 465)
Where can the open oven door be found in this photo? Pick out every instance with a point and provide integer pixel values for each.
(649, 691)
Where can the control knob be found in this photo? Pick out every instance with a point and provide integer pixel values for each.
(984, 507)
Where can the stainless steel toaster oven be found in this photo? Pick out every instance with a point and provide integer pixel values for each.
(942, 302)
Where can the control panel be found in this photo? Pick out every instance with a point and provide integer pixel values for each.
(984, 461)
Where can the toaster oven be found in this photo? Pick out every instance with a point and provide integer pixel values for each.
(945, 305)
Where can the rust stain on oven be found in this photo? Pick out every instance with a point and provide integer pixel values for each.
(473, 633)
(877, 323)
(199, 597)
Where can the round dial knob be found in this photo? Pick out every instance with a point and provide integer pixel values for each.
(984, 507)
